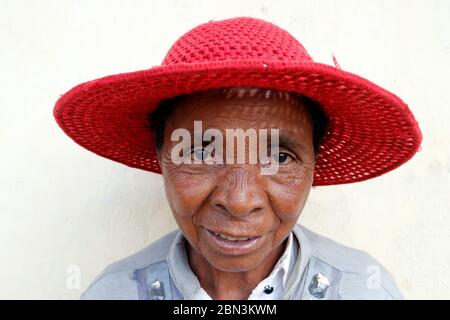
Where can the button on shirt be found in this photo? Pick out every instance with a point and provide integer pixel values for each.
(272, 287)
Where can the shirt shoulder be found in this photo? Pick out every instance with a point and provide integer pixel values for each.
(361, 275)
(117, 281)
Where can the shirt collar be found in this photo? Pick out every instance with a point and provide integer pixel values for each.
(284, 263)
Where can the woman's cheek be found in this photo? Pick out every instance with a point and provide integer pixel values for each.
(187, 192)
(288, 192)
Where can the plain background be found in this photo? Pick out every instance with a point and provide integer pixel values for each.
(64, 208)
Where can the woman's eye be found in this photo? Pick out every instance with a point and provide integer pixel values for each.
(200, 154)
(282, 157)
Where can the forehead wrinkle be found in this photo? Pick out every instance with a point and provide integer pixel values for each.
(262, 113)
(248, 112)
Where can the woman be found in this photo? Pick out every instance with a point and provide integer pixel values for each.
(241, 123)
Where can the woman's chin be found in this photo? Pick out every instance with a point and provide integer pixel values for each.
(234, 263)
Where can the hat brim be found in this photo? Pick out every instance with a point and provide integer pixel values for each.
(370, 130)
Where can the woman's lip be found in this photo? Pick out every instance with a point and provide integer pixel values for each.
(230, 235)
(233, 247)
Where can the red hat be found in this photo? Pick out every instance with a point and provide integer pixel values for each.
(370, 131)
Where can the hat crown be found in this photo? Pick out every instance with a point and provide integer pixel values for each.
(240, 38)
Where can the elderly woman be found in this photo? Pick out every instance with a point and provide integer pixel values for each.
(241, 123)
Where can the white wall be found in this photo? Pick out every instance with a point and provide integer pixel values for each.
(61, 205)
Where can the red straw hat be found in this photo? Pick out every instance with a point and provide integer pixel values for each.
(370, 130)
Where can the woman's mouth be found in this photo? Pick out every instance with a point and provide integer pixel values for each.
(231, 244)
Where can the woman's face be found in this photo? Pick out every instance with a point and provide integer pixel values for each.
(218, 206)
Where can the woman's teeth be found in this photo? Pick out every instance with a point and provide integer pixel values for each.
(230, 238)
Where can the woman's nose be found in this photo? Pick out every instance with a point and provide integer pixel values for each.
(240, 192)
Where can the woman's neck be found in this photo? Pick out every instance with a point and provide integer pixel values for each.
(224, 285)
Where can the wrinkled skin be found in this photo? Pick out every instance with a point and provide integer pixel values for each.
(236, 199)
